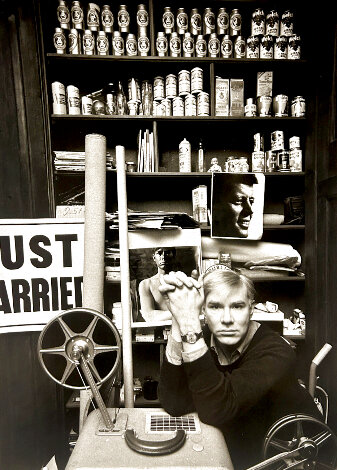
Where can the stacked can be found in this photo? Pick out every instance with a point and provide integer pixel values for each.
(258, 154)
(142, 24)
(295, 154)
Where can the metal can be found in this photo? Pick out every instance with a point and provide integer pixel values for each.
(158, 88)
(93, 17)
(281, 47)
(184, 82)
(226, 47)
(117, 44)
(175, 45)
(111, 104)
(190, 105)
(88, 43)
(123, 19)
(294, 47)
(298, 106)
(277, 140)
(258, 142)
(59, 98)
(222, 21)
(283, 160)
(239, 47)
(102, 44)
(143, 46)
(142, 18)
(73, 100)
(161, 44)
(214, 45)
(258, 23)
(170, 86)
(107, 19)
(86, 105)
(133, 106)
(295, 160)
(155, 105)
(182, 21)
(280, 105)
(63, 15)
(131, 46)
(264, 105)
(195, 22)
(188, 45)
(203, 104)
(258, 162)
(168, 20)
(235, 23)
(267, 47)
(59, 41)
(272, 23)
(208, 21)
(167, 104)
(185, 156)
(294, 142)
(271, 161)
(250, 108)
(287, 24)
(253, 47)
(200, 46)
(74, 42)
(197, 80)
(77, 16)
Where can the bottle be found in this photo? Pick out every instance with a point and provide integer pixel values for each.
(201, 157)
(63, 15)
(121, 100)
(110, 100)
(185, 156)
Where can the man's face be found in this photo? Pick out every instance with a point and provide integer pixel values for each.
(228, 312)
(163, 257)
(237, 210)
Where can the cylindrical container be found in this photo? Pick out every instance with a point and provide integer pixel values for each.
(294, 47)
(264, 105)
(213, 45)
(63, 15)
(178, 107)
(250, 108)
(226, 47)
(111, 104)
(166, 103)
(295, 160)
(170, 86)
(159, 109)
(200, 46)
(117, 44)
(142, 19)
(298, 106)
(59, 98)
(185, 156)
(222, 22)
(102, 43)
(258, 23)
(73, 100)
(287, 24)
(93, 17)
(143, 46)
(258, 162)
(190, 105)
(88, 41)
(74, 41)
(277, 140)
(195, 22)
(77, 16)
(267, 47)
(133, 90)
(271, 161)
(168, 20)
(253, 47)
(182, 21)
(158, 88)
(59, 41)
(280, 105)
(294, 142)
(107, 19)
(131, 46)
(201, 157)
(184, 82)
(133, 107)
(203, 104)
(258, 142)
(123, 19)
(175, 45)
(161, 44)
(188, 45)
(281, 47)
(86, 105)
(272, 23)
(235, 23)
(283, 160)
(208, 21)
(239, 47)
(244, 166)
(197, 80)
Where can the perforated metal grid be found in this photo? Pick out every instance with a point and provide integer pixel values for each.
(164, 423)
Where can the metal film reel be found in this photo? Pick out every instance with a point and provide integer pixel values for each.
(77, 334)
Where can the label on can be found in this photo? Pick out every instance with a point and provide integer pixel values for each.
(196, 23)
(258, 22)
(77, 16)
(253, 47)
(272, 23)
(258, 162)
(158, 88)
(59, 42)
(267, 47)
(295, 160)
(280, 105)
(161, 45)
(59, 98)
(142, 18)
(226, 47)
(123, 19)
(283, 160)
(175, 45)
(235, 23)
(88, 43)
(74, 42)
(93, 17)
(298, 107)
(214, 47)
(203, 104)
(143, 45)
(63, 15)
(168, 20)
(184, 82)
(185, 156)
(294, 47)
(178, 106)
(209, 21)
(166, 102)
(118, 45)
(271, 161)
(287, 24)
(250, 110)
(182, 21)
(294, 142)
(102, 45)
(73, 100)
(171, 86)
(223, 21)
(107, 19)
(264, 105)
(86, 105)
(258, 142)
(197, 82)
(111, 105)
(131, 46)
(188, 46)
(281, 47)
(277, 140)
(190, 105)
(239, 48)
(200, 47)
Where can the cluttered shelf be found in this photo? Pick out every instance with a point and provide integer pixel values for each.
(170, 174)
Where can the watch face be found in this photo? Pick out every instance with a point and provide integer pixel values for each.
(191, 337)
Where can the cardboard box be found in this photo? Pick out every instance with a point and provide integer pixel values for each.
(221, 96)
(264, 84)
(236, 97)
(203, 204)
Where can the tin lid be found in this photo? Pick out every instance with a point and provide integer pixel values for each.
(141, 6)
(106, 7)
(199, 37)
(194, 11)
(174, 34)
(130, 36)
(222, 10)
(181, 10)
(101, 33)
(187, 35)
(213, 35)
(116, 34)
(250, 101)
(167, 8)
(161, 34)
(122, 7)
(58, 30)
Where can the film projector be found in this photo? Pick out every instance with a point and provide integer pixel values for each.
(82, 349)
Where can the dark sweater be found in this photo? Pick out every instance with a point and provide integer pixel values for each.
(242, 399)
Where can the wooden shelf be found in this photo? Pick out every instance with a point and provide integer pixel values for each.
(172, 174)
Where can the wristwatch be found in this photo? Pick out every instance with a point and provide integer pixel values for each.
(191, 337)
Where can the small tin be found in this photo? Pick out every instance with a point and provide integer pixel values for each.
(131, 46)
(185, 156)
(272, 23)
(102, 44)
(188, 45)
(88, 43)
(142, 17)
(258, 142)
(182, 21)
(250, 108)
(74, 41)
(160, 109)
(208, 21)
(133, 106)
(264, 105)
(197, 80)
(168, 20)
(73, 100)
(167, 104)
(235, 23)
(184, 82)
(258, 162)
(59, 98)
(143, 46)
(170, 86)
(283, 160)
(294, 142)
(294, 47)
(271, 161)
(267, 47)
(239, 47)
(295, 160)
(161, 44)
(222, 22)
(117, 44)
(63, 15)
(200, 46)
(203, 104)
(175, 45)
(178, 108)
(226, 47)
(281, 47)
(123, 19)
(93, 17)
(213, 45)
(158, 88)
(253, 47)
(258, 25)
(190, 105)
(277, 140)
(298, 106)
(59, 41)
(287, 24)
(195, 22)
(107, 19)
(77, 16)
(86, 105)
(280, 105)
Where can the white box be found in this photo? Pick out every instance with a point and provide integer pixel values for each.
(203, 204)
(237, 97)
(221, 96)
(264, 84)
(195, 203)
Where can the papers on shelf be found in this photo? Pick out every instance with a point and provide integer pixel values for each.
(154, 220)
(74, 161)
